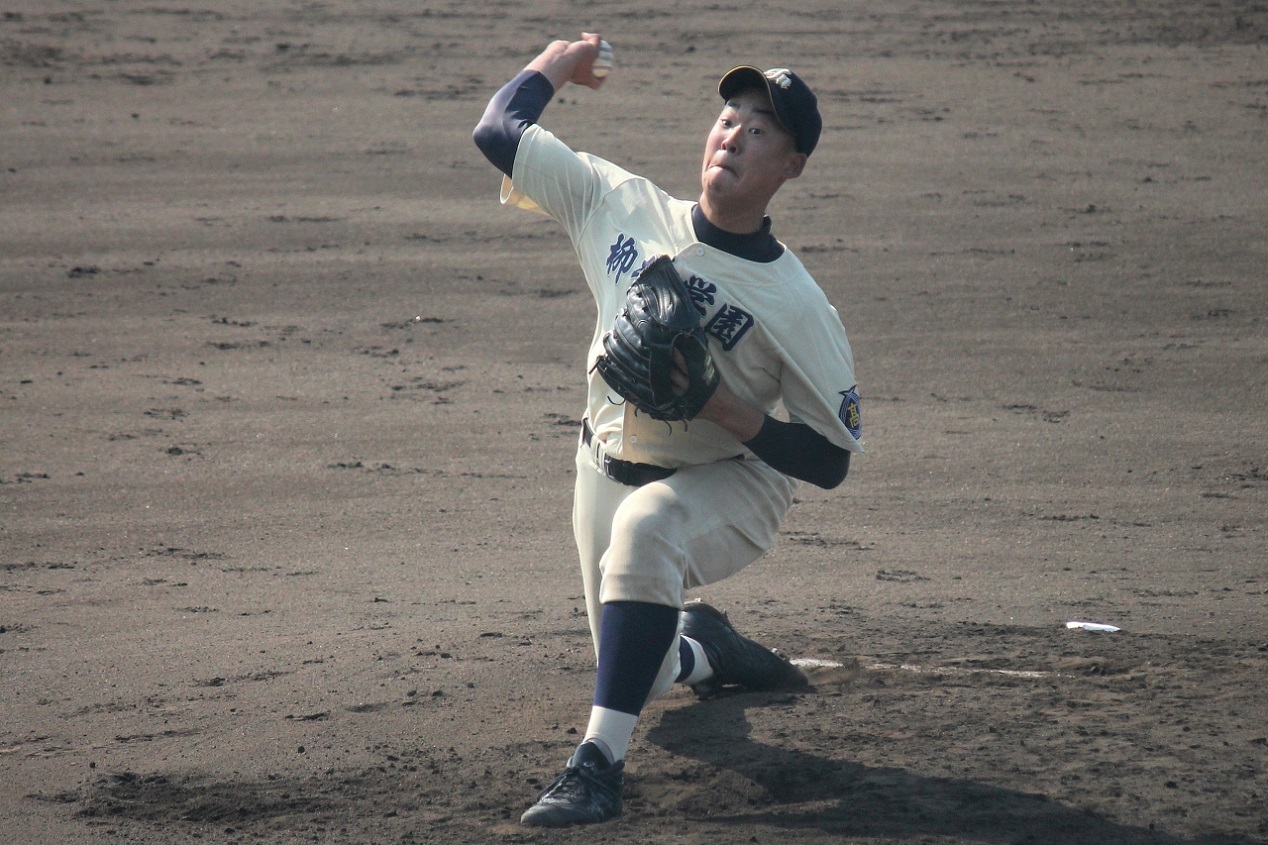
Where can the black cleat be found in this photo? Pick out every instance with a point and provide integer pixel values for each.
(586, 792)
(736, 660)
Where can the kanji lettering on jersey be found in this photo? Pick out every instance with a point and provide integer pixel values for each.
(729, 325)
(703, 293)
(621, 258)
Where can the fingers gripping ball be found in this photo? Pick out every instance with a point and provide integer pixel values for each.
(603, 63)
(659, 319)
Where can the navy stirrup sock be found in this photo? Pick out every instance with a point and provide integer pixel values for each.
(633, 641)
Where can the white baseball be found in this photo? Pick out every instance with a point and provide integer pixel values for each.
(603, 62)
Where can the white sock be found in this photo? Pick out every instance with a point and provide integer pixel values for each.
(610, 730)
(702, 670)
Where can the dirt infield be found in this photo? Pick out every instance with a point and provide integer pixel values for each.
(288, 405)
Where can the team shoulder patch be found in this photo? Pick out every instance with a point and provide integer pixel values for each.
(850, 412)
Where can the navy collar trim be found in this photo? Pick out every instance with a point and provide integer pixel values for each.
(760, 246)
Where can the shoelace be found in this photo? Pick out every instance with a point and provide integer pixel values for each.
(572, 782)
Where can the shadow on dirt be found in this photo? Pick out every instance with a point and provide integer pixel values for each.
(796, 790)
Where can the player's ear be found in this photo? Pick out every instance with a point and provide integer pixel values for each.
(794, 165)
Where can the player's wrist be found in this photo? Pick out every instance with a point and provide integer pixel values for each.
(732, 413)
(557, 62)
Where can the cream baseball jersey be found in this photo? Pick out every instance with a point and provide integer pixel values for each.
(776, 340)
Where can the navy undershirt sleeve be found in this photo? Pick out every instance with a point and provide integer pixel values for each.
(517, 106)
(798, 450)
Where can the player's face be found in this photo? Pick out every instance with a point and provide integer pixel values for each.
(748, 155)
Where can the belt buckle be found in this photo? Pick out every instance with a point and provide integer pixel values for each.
(612, 469)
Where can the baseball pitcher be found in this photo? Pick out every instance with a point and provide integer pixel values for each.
(719, 378)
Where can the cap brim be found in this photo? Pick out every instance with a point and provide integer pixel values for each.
(745, 76)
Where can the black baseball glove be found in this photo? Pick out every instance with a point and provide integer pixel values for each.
(659, 318)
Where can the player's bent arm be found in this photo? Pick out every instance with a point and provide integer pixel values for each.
(520, 103)
(794, 449)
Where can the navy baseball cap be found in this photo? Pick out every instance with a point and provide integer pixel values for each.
(795, 104)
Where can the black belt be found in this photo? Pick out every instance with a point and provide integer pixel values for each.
(626, 472)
